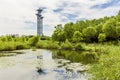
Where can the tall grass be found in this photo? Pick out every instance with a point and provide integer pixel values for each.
(108, 67)
(66, 45)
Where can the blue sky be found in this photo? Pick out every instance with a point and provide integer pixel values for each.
(18, 16)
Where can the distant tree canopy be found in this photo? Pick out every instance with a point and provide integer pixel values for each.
(96, 30)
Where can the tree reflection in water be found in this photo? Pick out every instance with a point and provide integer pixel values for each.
(77, 56)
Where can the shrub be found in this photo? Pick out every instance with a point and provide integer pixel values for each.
(52, 45)
(7, 46)
(47, 44)
(78, 47)
(20, 45)
(34, 40)
(77, 36)
(101, 37)
(67, 45)
(91, 56)
(40, 44)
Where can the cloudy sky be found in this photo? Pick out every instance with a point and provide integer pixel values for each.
(18, 16)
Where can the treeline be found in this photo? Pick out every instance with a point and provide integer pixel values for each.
(96, 30)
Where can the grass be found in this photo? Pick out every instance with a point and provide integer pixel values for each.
(108, 66)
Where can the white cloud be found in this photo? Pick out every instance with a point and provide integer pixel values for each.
(14, 13)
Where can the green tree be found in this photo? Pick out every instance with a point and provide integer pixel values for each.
(109, 28)
(58, 34)
(89, 33)
(101, 37)
(80, 25)
(99, 29)
(69, 30)
(77, 36)
(118, 16)
(118, 31)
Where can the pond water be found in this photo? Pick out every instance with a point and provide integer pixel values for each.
(43, 65)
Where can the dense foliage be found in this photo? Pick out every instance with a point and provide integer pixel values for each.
(96, 30)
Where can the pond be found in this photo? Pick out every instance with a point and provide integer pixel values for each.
(44, 65)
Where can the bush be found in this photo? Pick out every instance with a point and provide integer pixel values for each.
(20, 45)
(77, 36)
(40, 44)
(34, 40)
(52, 45)
(90, 57)
(47, 44)
(101, 37)
(78, 47)
(67, 45)
(7, 46)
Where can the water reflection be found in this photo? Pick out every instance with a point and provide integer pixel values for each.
(50, 66)
(9, 53)
(42, 65)
(73, 56)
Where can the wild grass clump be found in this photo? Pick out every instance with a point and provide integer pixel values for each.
(40, 44)
(34, 40)
(47, 45)
(52, 45)
(78, 47)
(21, 45)
(66, 45)
(91, 56)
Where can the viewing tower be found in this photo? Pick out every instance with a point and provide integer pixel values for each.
(39, 22)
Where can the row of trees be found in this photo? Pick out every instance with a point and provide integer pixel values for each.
(96, 30)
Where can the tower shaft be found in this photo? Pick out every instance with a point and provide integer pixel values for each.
(39, 23)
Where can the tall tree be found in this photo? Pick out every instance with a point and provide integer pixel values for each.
(69, 30)
(58, 34)
(109, 28)
(89, 33)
